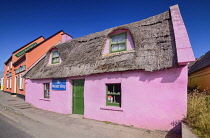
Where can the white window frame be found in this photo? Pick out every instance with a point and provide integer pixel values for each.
(11, 65)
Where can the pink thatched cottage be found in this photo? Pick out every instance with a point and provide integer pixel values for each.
(134, 74)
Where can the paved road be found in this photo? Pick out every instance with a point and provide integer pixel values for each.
(10, 129)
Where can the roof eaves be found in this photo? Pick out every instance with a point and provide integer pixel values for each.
(19, 60)
(44, 41)
(200, 63)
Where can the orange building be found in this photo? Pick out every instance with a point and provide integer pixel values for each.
(22, 59)
(199, 73)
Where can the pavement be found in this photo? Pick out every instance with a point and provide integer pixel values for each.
(76, 123)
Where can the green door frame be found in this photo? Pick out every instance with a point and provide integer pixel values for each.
(78, 96)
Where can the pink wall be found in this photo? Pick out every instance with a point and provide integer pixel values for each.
(130, 44)
(151, 100)
(65, 38)
(59, 101)
(183, 46)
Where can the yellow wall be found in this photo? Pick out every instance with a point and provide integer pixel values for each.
(200, 78)
(2, 87)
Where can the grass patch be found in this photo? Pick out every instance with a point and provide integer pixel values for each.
(198, 115)
(107, 122)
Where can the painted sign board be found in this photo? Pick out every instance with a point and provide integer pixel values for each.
(59, 84)
(24, 50)
(20, 69)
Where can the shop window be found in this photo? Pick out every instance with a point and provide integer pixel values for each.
(21, 82)
(7, 83)
(118, 42)
(10, 83)
(46, 90)
(113, 94)
(55, 57)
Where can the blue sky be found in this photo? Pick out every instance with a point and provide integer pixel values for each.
(22, 21)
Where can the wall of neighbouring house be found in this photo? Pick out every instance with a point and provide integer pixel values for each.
(151, 100)
(200, 78)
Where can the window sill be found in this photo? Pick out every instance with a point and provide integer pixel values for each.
(44, 99)
(50, 64)
(118, 53)
(111, 108)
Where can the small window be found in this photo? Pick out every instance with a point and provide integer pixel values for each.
(55, 57)
(113, 95)
(118, 43)
(46, 90)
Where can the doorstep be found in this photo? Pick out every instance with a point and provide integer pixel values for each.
(76, 116)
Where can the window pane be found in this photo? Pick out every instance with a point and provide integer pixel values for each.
(121, 46)
(46, 90)
(121, 38)
(115, 47)
(55, 60)
(114, 39)
(56, 54)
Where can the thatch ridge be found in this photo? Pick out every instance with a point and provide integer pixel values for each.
(154, 50)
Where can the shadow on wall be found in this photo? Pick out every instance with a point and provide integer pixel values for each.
(175, 132)
(166, 76)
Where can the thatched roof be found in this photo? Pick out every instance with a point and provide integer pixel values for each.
(200, 63)
(154, 50)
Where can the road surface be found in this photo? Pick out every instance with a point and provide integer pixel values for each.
(9, 128)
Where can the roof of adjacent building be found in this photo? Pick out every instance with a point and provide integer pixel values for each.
(154, 50)
(46, 40)
(200, 63)
(8, 60)
(27, 44)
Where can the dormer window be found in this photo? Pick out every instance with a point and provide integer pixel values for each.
(118, 42)
(55, 57)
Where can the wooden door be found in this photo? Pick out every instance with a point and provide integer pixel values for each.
(78, 97)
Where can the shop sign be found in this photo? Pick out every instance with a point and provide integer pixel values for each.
(24, 50)
(20, 69)
(9, 75)
(59, 84)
